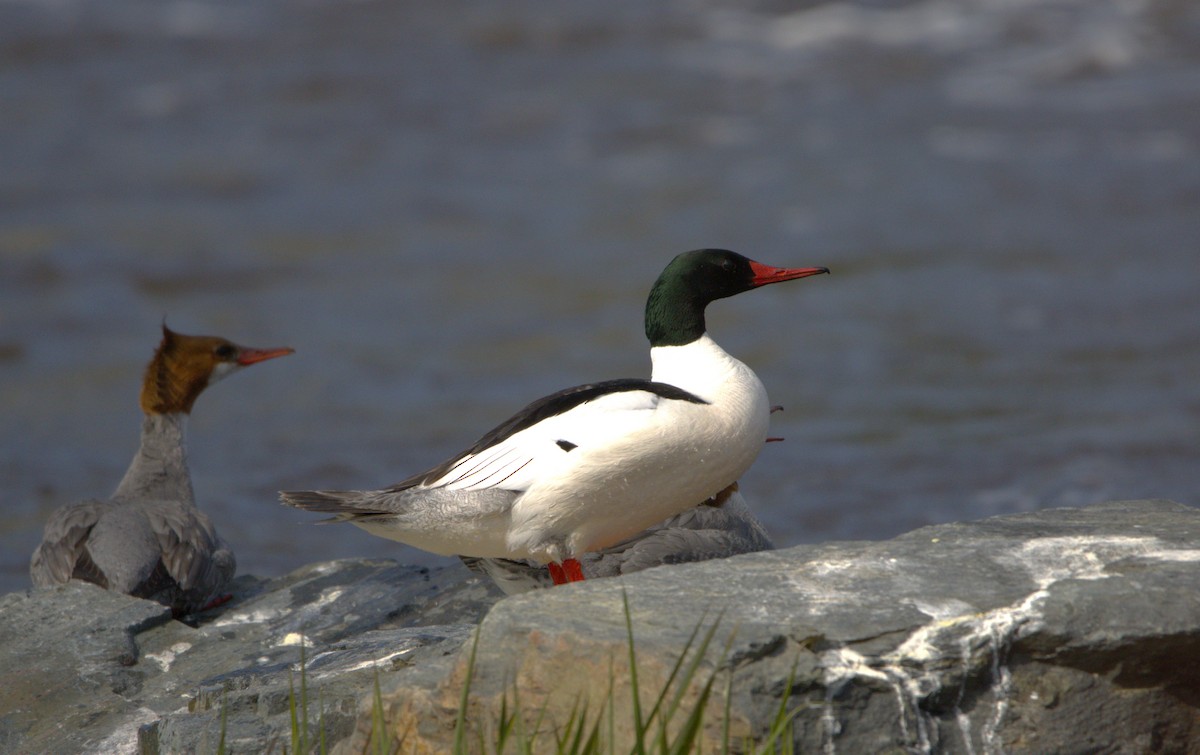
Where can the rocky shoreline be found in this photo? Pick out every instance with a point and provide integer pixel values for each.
(1063, 630)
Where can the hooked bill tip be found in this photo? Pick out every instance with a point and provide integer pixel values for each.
(764, 274)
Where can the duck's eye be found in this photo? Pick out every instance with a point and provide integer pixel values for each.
(225, 351)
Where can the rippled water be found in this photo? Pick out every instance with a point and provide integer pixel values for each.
(451, 209)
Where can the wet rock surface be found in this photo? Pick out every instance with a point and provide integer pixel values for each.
(1066, 630)
(86, 670)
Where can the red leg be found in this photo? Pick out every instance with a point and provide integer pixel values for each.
(557, 574)
(573, 569)
(220, 600)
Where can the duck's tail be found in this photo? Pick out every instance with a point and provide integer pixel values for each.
(345, 505)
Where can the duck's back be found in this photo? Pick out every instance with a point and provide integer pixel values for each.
(167, 551)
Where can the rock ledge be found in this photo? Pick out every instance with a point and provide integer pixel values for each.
(1066, 630)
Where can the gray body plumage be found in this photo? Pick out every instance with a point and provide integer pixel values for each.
(721, 527)
(149, 540)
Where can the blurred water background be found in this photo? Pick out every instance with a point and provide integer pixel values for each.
(452, 208)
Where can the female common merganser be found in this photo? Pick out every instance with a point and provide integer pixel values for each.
(149, 540)
(587, 467)
(720, 527)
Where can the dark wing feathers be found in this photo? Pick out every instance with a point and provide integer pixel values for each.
(157, 583)
(63, 542)
(194, 565)
(186, 539)
(88, 570)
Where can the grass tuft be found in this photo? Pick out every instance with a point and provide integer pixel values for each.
(298, 712)
(380, 742)
(670, 726)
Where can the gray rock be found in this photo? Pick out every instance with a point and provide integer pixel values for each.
(68, 659)
(1058, 631)
(1067, 631)
(88, 670)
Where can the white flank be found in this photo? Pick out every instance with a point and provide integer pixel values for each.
(594, 475)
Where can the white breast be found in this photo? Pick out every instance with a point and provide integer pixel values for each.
(683, 453)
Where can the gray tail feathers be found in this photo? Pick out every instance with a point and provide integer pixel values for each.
(345, 504)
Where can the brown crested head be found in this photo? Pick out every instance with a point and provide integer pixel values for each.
(183, 366)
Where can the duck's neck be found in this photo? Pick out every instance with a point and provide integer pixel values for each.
(700, 367)
(674, 313)
(159, 469)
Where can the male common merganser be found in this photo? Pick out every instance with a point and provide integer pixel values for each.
(720, 527)
(585, 468)
(149, 540)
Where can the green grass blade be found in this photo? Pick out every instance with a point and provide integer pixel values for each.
(380, 742)
(572, 729)
(323, 749)
(781, 724)
(224, 722)
(725, 727)
(667, 711)
(303, 700)
(639, 744)
(694, 666)
(460, 723)
(612, 721)
(685, 741)
(292, 711)
(525, 740)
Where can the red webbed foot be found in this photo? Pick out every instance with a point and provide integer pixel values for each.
(569, 570)
(220, 600)
(573, 569)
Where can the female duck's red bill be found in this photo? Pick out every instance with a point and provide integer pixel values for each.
(253, 356)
